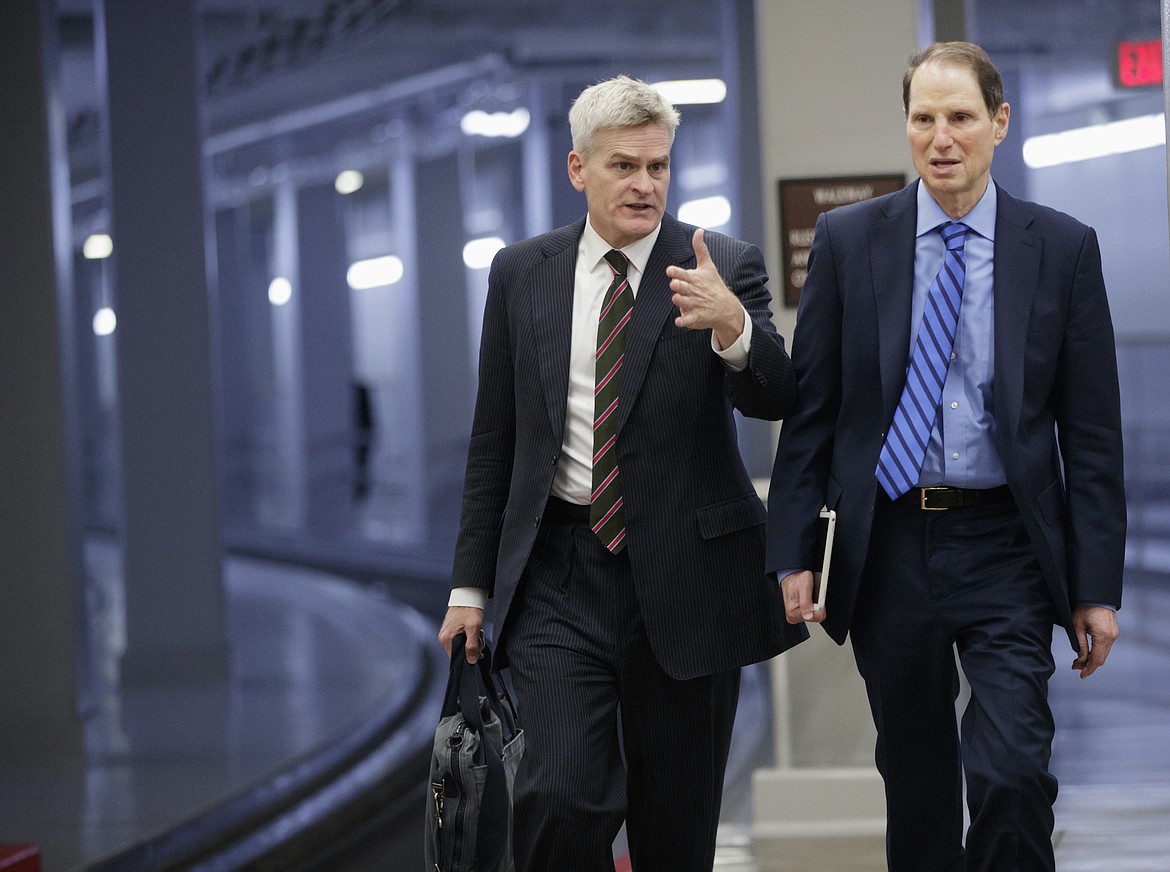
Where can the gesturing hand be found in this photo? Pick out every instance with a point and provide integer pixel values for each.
(703, 298)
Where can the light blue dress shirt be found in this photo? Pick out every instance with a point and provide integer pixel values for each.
(962, 450)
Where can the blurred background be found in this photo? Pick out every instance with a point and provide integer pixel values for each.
(246, 247)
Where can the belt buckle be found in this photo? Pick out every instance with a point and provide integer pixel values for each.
(922, 498)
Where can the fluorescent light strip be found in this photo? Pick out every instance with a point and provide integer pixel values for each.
(1097, 140)
(682, 92)
(706, 212)
(509, 124)
(478, 253)
(376, 272)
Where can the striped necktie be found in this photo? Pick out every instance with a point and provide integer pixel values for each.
(606, 514)
(900, 462)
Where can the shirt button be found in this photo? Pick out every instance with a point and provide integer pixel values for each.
(954, 405)
(955, 456)
(953, 355)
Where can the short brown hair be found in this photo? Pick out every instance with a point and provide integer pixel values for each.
(960, 54)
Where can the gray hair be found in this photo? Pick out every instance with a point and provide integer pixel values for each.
(617, 103)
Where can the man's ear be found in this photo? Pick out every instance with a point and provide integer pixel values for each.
(576, 165)
(1002, 117)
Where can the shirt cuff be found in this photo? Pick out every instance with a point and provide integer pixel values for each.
(468, 597)
(736, 357)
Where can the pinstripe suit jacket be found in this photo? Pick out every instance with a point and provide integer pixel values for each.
(695, 527)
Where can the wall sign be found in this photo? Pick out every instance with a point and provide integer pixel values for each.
(802, 200)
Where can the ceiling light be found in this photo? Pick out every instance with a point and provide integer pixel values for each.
(478, 253)
(279, 291)
(104, 321)
(1097, 140)
(97, 246)
(480, 123)
(681, 92)
(374, 272)
(348, 181)
(706, 212)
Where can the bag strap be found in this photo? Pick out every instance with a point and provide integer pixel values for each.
(466, 686)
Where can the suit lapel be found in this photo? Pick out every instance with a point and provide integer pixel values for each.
(652, 307)
(1017, 269)
(551, 292)
(891, 254)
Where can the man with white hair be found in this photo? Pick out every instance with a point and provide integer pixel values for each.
(606, 509)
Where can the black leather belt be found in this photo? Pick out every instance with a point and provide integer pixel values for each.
(939, 499)
(558, 510)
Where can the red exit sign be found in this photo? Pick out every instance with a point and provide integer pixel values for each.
(1139, 63)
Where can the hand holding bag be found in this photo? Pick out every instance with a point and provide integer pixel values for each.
(478, 746)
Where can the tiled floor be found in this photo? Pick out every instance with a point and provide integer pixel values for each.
(312, 653)
(312, 657)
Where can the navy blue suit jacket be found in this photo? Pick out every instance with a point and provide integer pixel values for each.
(1057, 406)
(695, 526)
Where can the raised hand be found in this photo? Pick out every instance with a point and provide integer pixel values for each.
(703, 298)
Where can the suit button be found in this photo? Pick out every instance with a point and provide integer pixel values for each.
(555, 458)
(536, 520)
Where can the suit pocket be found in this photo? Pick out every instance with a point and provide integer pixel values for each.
(730, 516)
(1051, 502)
(676, 340)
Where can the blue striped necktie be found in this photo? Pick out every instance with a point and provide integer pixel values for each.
(901, 459)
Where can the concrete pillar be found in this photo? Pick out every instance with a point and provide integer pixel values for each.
(42, 629)
(442, 305)
(822, 806)
(147, 63)
(327, 377)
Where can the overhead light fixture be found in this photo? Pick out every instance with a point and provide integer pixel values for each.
(104, 321)
(374, 272)
(478, 253)
(682, 92)
(279, 291)
(348, 181)
(706, 212)
(494, 124)
(97, 246)
(1097, 140)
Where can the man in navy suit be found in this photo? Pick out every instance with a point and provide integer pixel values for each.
(1015, 520)
(624, 650)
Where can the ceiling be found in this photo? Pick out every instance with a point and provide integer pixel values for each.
(327, 75)
(323, 71)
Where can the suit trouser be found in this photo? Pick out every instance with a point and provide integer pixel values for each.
(964, 579)
(590, 692)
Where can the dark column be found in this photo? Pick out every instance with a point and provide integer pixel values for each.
(327, 359)
(42, 632)
(443, 338)
(171, 539)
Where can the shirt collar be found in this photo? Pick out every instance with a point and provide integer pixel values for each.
(593, 248)
(981, 219)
